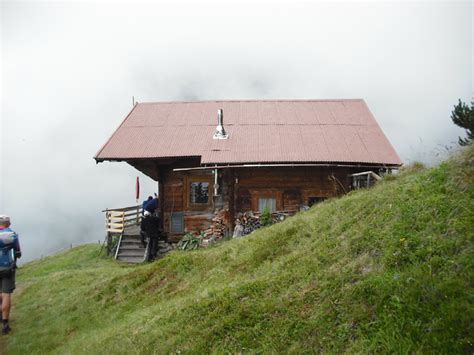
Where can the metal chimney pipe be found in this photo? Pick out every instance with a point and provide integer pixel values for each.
(220, 131)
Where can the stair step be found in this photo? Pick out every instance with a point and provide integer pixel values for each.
(132, 230)
(131, 259)
(131, 242)
(132, 246)
(131, 237)
(131, 252)
(140, 247)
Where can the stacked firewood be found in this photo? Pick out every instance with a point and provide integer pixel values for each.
(245, 223)
(218, 228)
(280, 216)
(249, 221)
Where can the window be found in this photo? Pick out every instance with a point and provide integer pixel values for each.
(269, 203)
(270, 198)
(177, 222)
(199, 192)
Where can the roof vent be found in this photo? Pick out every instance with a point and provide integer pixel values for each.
(220, 131)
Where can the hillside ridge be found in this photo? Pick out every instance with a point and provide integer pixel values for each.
(388, 269)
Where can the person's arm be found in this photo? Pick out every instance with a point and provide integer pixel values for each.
(16, 248)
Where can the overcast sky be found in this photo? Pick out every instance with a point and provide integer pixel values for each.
(69, 71)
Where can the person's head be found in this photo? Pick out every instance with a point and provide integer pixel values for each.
(4, 221)
(150, 198)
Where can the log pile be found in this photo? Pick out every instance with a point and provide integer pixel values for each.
(218, 228)
(249, 221)
(280, 216)
(245, 223)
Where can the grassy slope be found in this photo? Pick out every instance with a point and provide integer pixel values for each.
(388, 269)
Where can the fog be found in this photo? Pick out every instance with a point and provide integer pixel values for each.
(69, 71)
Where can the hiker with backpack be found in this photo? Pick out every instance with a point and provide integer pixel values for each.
(9, 252)
(145, 203)
(150, 232)
(151, 205)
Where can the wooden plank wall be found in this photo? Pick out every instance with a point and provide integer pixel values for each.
(296, 184)
(175, 192)
(237, 186)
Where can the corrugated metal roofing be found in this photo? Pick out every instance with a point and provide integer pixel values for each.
(278, 131)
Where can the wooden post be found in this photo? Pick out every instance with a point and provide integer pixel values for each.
(108, 236)
(231, 177)
(161, 197)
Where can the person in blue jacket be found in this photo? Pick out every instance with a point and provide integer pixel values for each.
(149, 199)
(152, 205)
(9, 252)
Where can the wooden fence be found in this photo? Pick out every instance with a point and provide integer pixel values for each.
(117, 219)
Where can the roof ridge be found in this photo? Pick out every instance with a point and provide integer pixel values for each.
(249, 100)
(204, 124)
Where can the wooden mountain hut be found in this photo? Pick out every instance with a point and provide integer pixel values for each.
(217, 161)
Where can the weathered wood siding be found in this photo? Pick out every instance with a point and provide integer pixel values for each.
(176, 194)
(240, 189)
(296, 185)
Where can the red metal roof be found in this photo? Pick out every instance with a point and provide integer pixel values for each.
(267, 131)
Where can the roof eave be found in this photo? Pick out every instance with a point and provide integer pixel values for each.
(270, 163)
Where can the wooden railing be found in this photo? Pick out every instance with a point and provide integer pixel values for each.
(364, 179)
(116, 219)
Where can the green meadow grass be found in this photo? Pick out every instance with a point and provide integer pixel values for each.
(389, 269)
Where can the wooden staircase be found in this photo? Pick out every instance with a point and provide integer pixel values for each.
(130, 248)
(125, 222)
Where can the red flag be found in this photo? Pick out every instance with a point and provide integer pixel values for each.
(137, 189)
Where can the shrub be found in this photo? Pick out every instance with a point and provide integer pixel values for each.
(266, 218)
(191, 241)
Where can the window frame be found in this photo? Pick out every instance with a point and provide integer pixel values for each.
(187, 191)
